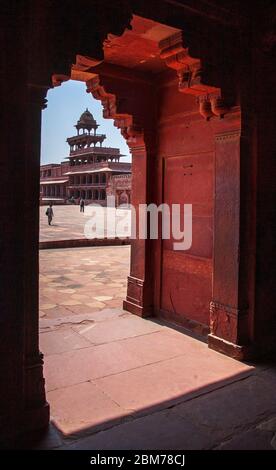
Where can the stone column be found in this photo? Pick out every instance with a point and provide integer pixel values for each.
(11, 257)
(232, 306)
(36, 407)
(139, 288)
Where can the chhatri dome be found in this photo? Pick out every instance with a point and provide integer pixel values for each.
(86, 121)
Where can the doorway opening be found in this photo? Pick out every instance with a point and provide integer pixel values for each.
(81, 284)
(172, 286)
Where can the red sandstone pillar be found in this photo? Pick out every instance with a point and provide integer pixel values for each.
(36, 407)
(232, 306)
(139, 293)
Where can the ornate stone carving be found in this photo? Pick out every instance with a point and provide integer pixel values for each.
(37, 95)
(34, 381)
(218, 106)
(189, 70)
(224, 321)
(58, 79)
(230, 135)
(205, 108)
(135, 299)
(135, 290)
(190, 76)
(131, 132)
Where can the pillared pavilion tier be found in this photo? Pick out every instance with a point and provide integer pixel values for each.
(95, 154)
(90, 167)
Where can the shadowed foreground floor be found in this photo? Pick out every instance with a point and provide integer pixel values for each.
(116, 381)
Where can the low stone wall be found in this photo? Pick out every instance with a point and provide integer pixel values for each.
(83, 242)
(65, 202)
(60, 202)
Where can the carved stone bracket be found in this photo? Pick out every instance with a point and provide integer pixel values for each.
(81, 70)
(37, 95)
(212, 105)
(131, 132)
(190, 76)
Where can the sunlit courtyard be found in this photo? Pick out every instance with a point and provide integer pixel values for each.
(71, 224)
(118, 381)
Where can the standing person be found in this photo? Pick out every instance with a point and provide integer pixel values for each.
(50, 213)
(81, 204)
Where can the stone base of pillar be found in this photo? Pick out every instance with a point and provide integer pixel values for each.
(135, 300)
(36, 419)
(24, 428)
(240, 353)
(36, 414)
(137, 309)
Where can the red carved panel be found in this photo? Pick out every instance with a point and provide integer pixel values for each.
(188, 179)
(227, 218)
(135, 290)
(223, 322)
(186, 286)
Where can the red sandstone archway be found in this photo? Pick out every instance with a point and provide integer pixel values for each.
(241, 310)
(198, 289)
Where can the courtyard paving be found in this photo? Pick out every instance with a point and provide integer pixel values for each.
(69, 223)
(82, 280)
(117, 381)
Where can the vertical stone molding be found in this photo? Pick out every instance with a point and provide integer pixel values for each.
(36, 407)
(138, 299)
(229, 311)
(138, 291)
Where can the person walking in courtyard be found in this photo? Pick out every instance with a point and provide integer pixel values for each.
(81, 204)
(50, 213)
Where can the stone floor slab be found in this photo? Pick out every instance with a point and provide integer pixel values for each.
(69, 368)
(68, 281)
(254, 439)
(68, 222)
(232, 409)
(158, 431)
(120, 328)
(129, 382)
(81, 407)
(178, 379)
(55, 342)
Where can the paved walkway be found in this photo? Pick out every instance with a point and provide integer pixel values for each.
(116, 381)
(69, 223)
(82, 280)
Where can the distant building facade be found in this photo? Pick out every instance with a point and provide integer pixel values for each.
(120, 187)
(92, 172)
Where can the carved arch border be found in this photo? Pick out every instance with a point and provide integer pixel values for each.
(132, 133)
(190, 76)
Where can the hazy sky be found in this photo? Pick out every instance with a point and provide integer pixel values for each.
(65, 105)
